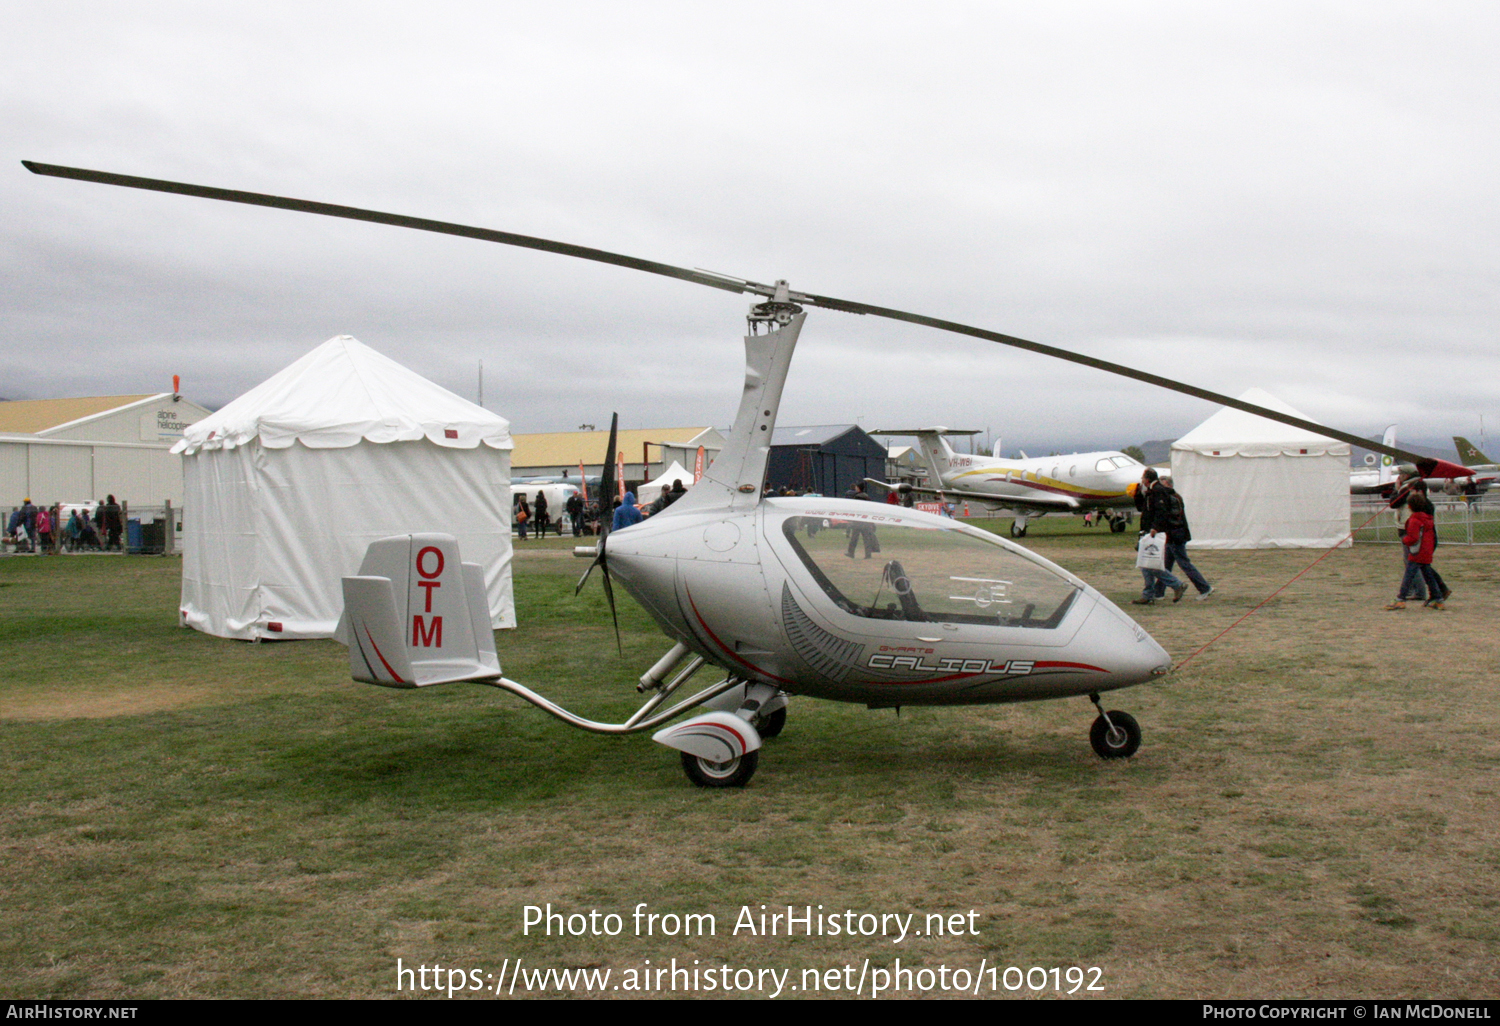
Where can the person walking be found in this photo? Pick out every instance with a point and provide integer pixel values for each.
(1411, 492)
(1163, 510)
(1420, 541)
(540, 514)
(113, 524)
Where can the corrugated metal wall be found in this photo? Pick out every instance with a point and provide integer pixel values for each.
(86, 472)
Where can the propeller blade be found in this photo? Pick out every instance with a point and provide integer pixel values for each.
(607, 484)
(609, 591)
(585, 578)
(609, 595)
(711, 279)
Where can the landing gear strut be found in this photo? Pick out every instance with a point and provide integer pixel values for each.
(1018, 527)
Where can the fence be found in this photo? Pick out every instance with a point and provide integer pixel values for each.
(1459, 522)
(153, 530)
(148, 530)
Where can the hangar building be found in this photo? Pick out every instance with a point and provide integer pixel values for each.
(828, 460)
(79, 450)
(647, 451)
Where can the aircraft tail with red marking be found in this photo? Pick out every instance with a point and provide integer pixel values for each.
(417, 615)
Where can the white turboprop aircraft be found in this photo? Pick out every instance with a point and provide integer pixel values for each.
(1033, 486)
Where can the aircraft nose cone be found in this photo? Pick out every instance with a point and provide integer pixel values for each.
(1151, 658)
(1133, 655)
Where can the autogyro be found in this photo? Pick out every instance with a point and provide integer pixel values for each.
(841, 599)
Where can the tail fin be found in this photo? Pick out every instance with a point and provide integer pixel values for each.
(1387, 472)
(1469, 454)
(937, 452)
(416, 615)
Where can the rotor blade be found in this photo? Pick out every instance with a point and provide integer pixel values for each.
(1112, 368)
(259, 199)
(711, 279)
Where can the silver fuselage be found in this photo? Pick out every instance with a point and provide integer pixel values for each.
(867, 602)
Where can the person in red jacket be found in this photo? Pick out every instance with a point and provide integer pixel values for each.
(1420, 541)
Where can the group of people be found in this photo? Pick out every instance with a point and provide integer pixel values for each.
(628, 512)
(1414, 512)
(535, 515)
(1162, 513)
(42, 529)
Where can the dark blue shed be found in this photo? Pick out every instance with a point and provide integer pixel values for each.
(828, 460)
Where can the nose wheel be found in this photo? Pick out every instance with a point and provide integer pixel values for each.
(734, 773)
(1115, 734)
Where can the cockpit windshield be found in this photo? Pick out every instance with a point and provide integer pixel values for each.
(907, 571)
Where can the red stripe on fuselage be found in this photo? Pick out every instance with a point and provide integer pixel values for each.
(725, 648)
(1092, 494)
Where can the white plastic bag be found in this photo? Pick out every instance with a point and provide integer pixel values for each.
(1151, 552)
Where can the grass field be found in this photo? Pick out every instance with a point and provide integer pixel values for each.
(1313, 812)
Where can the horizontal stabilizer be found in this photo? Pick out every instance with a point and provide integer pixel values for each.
(913, 432)
(417, 615)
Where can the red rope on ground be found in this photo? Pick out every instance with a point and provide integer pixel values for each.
(1278, 591)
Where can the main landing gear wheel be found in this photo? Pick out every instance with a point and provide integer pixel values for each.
(1117, 526)
(1017, 529)
(1118, 743)
(773, 724)
(734, 773)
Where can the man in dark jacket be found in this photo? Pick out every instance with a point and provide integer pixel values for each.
(1162, 511)
(28, 516)
(667, 497)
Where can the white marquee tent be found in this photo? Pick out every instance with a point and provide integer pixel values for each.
(1253, 483)
(651, 491)
(285, 487)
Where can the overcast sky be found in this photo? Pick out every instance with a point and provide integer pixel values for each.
(1296, 196)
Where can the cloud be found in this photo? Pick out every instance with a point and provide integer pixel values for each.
(1294, 196)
